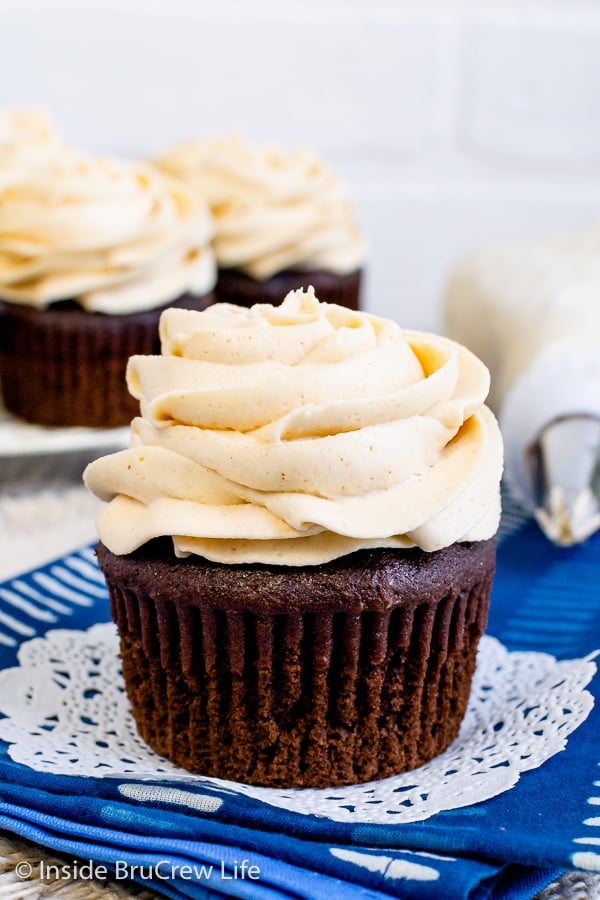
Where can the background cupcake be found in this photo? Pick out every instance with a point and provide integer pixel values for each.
(282, 221)
(300, 581)
(91, 251)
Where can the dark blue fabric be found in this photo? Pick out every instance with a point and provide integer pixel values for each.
(508, 847)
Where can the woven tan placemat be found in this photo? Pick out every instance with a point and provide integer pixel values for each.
(573, 886)
(15, 851)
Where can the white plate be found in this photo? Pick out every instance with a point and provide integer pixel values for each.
(18, 438)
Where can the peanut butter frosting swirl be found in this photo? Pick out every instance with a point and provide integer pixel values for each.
(29, 142)
(116, 236)
(293, 435)
(273, 210)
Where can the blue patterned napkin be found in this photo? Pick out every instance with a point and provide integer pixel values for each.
(191, 837)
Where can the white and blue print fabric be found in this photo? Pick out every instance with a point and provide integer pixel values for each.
(100, 795)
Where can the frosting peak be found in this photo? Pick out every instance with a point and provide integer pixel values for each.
(29, 142)
(115, 236)
(273, 210)
(298, 434)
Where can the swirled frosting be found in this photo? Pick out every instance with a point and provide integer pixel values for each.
(296, 434)
(115, 236)
(29, 142)
(273, 210)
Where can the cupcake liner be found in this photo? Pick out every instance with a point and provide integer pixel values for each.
(64, 366)
(236, 287)
(319, 696)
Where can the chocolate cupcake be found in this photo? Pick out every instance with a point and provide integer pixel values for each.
(298, 543)
(63, 366)
(91, 252)
(348, 671)
(282, 221)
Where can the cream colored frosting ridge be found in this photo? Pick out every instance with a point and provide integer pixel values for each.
(273, 210)
(116, 236)
(296, 434)
(29, 142)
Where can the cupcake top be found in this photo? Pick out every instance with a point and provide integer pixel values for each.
(297, 434)
(115, 236)
(273, 210)
(29, 142)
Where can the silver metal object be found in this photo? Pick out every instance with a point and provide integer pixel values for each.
(564, 467)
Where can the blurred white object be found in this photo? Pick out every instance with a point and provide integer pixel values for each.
(532, 314)
(19, 438)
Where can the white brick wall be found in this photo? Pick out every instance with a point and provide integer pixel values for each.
(545, 108)
(456, 123)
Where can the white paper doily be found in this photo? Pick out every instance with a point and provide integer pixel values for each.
(66, 712)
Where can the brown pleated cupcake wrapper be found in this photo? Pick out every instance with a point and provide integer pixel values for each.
(67, 367)
(301, 699)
